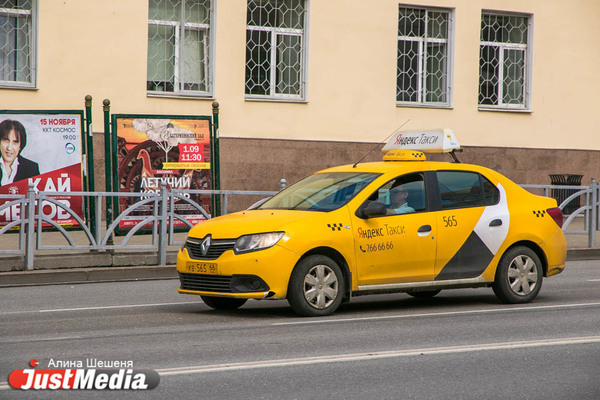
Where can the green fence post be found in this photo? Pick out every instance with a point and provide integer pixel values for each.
(84, 151)
(212, 170)
(115, 167)
(216, 159)
(108, 165)
(90, 163)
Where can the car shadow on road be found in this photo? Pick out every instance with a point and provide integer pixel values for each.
(403, 302)
(358, 306)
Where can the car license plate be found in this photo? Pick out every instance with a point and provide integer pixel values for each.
(202, 268)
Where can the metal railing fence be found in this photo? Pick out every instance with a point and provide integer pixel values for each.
(161, 223)
(586, 206)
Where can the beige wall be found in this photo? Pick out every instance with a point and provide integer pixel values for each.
(99, 48)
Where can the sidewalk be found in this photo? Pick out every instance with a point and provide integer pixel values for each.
(79, 266)
(53, 266)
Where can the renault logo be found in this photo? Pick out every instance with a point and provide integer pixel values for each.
(205, 245)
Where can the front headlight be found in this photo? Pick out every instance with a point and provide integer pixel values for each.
(259, 241)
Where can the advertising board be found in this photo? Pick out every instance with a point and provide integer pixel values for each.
(156, 149)
(43, 149)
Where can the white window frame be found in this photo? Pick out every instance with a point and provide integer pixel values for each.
(209, 50)
(32, 56)
(275, 33)
(527, 76)
(422, 62)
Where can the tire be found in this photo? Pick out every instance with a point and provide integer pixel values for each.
(519, 276)
(223, 303)
(316, 287)
(424, 294)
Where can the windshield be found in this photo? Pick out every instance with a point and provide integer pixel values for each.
(320, 192)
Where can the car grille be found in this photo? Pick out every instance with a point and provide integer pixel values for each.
(217, 247)
(205, 283)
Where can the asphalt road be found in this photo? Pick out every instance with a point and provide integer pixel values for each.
(462, 344)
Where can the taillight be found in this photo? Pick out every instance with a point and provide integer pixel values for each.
(556, 215)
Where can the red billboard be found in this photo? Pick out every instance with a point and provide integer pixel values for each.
(44, 150)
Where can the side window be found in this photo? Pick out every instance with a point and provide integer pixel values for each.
(491, 194)
(403, 195)
(459, 189)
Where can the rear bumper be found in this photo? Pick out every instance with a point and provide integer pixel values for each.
(555, 249)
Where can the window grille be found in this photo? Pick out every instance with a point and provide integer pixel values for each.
(504, 67)
(179, 47)
(17, 43)
(424, 56)
(276, 49)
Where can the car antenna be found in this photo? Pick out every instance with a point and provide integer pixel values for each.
(379, 144)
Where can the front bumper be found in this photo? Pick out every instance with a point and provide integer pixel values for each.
(256, 275)
(235, 286)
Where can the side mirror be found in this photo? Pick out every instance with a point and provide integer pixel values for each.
(373, 209)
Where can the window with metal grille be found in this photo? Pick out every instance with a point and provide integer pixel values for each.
(276, 49)
(179, 47)
(424, 57)
(17, 43)
(504, 61)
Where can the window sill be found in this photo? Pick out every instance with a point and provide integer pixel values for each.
(276, 100)
(425, 105)
(17, 87)
(510, 110)
(181, 96)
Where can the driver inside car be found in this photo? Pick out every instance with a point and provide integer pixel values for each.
(398, 202)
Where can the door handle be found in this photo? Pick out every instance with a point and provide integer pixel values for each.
(496, 222)
(424, 229)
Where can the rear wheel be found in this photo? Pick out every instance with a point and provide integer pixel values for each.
(316, 286)
(223, 303)
(519, 276)
(424, 294)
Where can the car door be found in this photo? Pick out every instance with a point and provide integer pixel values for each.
(398, 245)
(472, 222)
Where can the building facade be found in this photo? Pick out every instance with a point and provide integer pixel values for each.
(306, 84)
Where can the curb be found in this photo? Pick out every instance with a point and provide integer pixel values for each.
(85, 260)
(86, 275)
(583, 254)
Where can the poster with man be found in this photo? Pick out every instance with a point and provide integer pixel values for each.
(44, 150)
(155, 149)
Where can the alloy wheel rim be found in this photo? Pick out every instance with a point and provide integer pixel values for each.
(320, 286)
(522, 275)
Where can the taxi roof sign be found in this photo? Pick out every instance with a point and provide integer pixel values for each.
(428, 141)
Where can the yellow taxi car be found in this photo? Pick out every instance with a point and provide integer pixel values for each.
(400, 225)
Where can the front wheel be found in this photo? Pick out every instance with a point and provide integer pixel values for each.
(316, 286)
(519, 276)
(223, 303)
